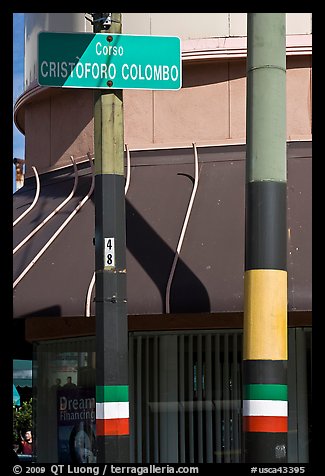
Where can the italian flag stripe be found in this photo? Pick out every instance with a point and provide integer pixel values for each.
(268, 424)
(265, 408)
(112, 410)
(112, 393)
(265, 392)
(113, 427)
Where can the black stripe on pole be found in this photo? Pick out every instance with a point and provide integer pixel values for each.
(112, 364)
(110, 206)
(266, 239)
(111, 303)
(116, 449)
(114, 368)
(265, 371)
(266, 448)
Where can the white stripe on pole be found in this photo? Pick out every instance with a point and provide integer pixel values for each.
(265, 408)
(110, 410)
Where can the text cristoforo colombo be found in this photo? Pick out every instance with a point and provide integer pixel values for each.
(109, 72)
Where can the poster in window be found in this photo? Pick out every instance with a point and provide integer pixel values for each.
(76, 414)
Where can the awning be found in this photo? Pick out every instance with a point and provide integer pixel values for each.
(16, 396)
(210, 269)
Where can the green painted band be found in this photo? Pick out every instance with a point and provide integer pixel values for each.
(112, 393)
(266, 392)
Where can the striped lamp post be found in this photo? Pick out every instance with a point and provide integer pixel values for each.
(265, 394)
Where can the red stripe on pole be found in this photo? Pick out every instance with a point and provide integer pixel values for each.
(114, 426)
(271, 424)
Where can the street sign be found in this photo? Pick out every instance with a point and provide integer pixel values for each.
(109, 61)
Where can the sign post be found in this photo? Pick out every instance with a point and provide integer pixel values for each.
(109, 62)
(112, 390)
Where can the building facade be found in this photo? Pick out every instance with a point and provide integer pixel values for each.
(185, 333)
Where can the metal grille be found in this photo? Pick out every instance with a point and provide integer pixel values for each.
(187, 393)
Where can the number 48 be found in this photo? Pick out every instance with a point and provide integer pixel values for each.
(109, 252)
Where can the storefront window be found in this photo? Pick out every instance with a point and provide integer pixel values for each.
(186, 389)
(64, 402)
(185, 397)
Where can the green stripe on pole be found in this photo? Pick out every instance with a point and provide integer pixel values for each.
(265, 392)
(112, 393)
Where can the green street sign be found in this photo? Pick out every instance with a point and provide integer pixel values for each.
(109, 61)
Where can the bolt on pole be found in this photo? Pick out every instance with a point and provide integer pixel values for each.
(265, 391)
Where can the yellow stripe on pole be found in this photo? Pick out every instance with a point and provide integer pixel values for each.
(108, 135)
(265, 314)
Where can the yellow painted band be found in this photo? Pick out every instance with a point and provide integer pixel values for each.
(265, 314)
(109, 135)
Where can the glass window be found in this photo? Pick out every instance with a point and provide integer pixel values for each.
(64, 402)
(186, 389)
(185, 397)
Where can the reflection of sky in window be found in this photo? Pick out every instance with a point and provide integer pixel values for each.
(23, 374)
(65, 360)
(18, 83)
